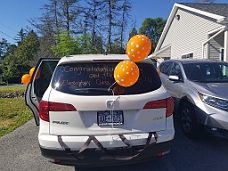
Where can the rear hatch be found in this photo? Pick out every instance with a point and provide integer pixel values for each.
(85, 100)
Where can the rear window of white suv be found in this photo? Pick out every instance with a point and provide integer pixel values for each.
(95, 78)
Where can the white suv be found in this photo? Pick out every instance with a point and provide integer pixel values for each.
(86, 119)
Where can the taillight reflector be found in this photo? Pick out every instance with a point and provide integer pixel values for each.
(169, 107)
(165, 103)
(155, 104)
(54, 106)
(45, 107)
(44, 111)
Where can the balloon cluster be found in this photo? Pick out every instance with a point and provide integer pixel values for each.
(25, 79)
(126, 73)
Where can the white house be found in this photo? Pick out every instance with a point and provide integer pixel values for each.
(195, 31)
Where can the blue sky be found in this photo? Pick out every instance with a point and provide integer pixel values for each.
(14, 14)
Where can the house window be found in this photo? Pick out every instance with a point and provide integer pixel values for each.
(222, 54)
(186, 56)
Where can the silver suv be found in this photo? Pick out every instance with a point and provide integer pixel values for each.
(86, 119)
(200, 92)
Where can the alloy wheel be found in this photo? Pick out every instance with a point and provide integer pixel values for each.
(186, 120)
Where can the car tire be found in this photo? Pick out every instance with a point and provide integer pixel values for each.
(189, 123)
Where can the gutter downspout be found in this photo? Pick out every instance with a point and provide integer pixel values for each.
(203, 44)
(226, 46)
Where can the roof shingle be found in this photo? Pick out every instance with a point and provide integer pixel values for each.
(219, 9)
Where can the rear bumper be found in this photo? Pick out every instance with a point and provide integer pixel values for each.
(95, 157)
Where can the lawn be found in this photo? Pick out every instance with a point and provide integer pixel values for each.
(13, 111)
(20, 89)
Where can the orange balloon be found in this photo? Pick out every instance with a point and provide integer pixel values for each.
(25, 79)
(138, 48)
(118, 90)
(126, 73)
(31, 71)
(159, 72)
(38, 74)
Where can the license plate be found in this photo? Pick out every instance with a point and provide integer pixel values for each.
(110, 117)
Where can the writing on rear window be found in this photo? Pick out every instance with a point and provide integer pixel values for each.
(79, 70)
(99, 75)
(76, 78)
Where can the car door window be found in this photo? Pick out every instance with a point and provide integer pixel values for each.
(166, 67)
(43, 80)
(176, 70)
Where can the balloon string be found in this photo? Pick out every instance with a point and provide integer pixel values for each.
(111, 87)
(113, 105)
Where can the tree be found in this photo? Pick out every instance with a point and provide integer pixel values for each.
(11, 49)
(45, 47)
(27, 51)
(20, 36)
(115, 12)
(98, 44)
(3, 48)
(66, 45)
(68, 13)
(125, 8)
(69, 45)
(105, 21)
(117, 47)
(152, 28)
(28, 48)
(132, 33)
(18, 60)
(107, 18)
(109, 11)
(59, 15)
(84, 42)
(11, 70)
(93, 18)
(47, 27)
(92, 23)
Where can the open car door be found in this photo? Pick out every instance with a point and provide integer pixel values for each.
(38, 84)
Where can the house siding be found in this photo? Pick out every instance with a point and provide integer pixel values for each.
(165, 53)
(187, 34)
(215, 45)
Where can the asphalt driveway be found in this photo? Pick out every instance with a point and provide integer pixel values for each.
(19, 151)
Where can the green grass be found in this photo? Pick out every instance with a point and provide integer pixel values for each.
(19, 89)
(13, 111)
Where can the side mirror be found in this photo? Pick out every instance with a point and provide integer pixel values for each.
(174, 78)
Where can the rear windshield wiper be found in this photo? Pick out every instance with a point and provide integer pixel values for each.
(93, 89)
(96, 89)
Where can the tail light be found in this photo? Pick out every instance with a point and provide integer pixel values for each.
(45, 107)
(54, 160)
(165, 103)
(57, 160)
